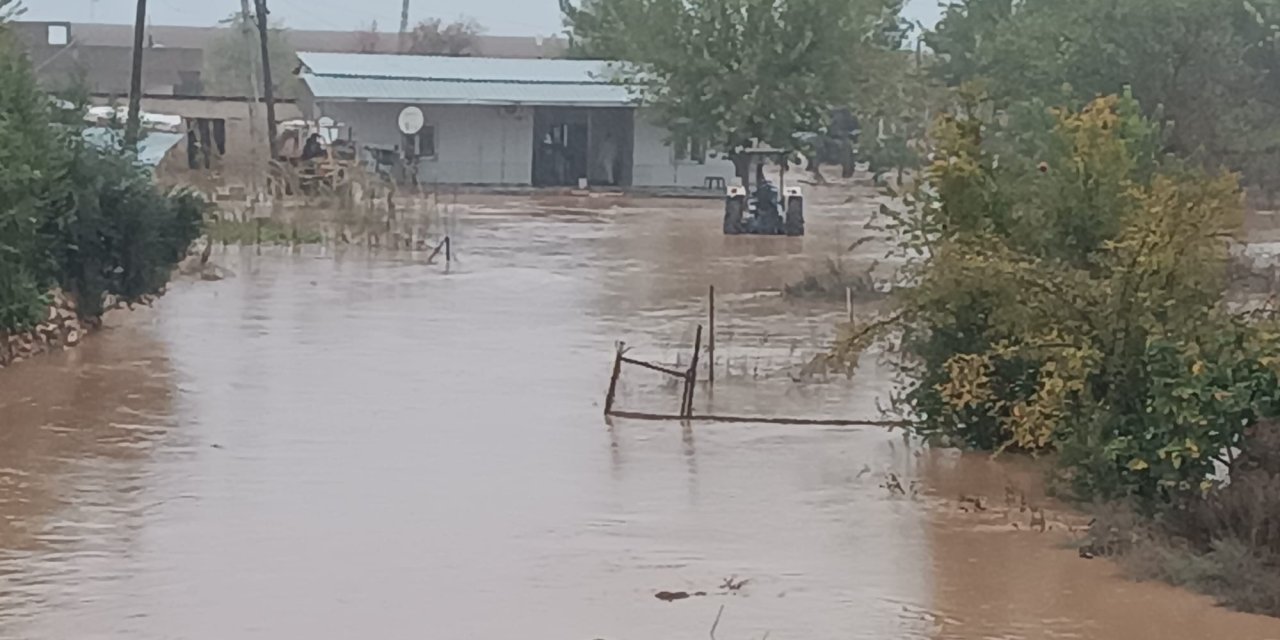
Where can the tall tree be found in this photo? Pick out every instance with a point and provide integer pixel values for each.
(1206, 68)
(734, 72)
(233, 57)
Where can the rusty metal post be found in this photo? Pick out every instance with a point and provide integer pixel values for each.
(613, 380)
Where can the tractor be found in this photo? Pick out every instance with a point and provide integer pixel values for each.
(763, 208)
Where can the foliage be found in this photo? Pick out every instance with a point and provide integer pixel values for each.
(1068, 288)
(27, 174)
(435, 38)
(895, 101)
(113, 232)
(233, 60)
(1206, 69)
(734, 72)
(71, 216)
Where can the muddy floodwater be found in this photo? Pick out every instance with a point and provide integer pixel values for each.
(354, 444)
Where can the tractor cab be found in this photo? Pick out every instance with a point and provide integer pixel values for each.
(761, 207)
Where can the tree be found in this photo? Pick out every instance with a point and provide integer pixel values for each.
(236, 51)
(1069, 296)
(434, 38)
(1204, 69)
(88, 220)
(732, 73)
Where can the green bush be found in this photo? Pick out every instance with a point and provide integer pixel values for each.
(85, 219)
(1069, 297)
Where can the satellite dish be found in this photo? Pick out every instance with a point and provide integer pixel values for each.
(325, 121)
(411, 120)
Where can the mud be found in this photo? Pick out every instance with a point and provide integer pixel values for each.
(345, 443)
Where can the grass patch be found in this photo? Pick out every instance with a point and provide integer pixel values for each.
(1224, 543)
(263, 231)
(832, 282)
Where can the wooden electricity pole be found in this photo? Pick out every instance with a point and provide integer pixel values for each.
(268, 91)
(135, 79)
(404, 26)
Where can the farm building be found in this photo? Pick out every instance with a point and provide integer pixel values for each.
(491, 121)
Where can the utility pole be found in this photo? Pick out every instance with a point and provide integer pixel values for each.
(247, 40)
(404, 25)
(135, 80)
(267, 90)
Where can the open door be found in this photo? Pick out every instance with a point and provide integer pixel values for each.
(560, 146)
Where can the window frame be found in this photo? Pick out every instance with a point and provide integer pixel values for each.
(416, 141)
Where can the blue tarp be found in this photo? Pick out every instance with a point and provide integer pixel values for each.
(151, 148)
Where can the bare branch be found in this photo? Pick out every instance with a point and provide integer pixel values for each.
(716, 623)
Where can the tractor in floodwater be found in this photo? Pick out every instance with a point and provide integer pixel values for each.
(761, 207)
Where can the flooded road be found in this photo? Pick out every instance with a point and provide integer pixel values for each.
(346, 444)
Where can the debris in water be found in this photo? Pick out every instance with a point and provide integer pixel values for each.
(671, 596)
(894, 485)
(733, 584)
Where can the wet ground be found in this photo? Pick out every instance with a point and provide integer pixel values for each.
(351, 444)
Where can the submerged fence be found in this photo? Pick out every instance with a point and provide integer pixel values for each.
(688, 379)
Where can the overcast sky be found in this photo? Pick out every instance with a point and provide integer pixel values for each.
(501, 17)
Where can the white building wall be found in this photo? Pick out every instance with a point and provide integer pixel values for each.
(493, 145)
(656, 164)
(474, 144)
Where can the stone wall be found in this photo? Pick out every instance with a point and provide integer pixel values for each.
(62, 328)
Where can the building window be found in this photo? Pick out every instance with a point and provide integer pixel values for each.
(691, 149)
(421, 144)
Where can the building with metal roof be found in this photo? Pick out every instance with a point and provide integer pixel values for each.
(548, 122)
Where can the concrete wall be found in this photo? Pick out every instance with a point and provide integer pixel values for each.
(474, 144)
(240, 144)
(490, 145)
(656, 164)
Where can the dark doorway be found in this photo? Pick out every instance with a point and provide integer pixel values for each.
(572, 144)
(612, 148)
(560, 146)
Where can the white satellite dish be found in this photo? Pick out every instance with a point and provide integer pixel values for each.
(411, 120)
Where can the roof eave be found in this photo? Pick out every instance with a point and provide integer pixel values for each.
(476, 103)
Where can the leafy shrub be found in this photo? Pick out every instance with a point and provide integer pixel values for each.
(86, 219)
(1069, 298)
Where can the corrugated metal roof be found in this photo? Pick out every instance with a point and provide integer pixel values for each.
(152, 146)
(456, 92)
(444, 80)
(372, 65)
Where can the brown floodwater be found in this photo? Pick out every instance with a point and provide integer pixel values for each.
(351, 444)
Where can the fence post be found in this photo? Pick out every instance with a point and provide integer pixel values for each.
(448, 250)
(692, 380)
(613, 380)
(711, 339)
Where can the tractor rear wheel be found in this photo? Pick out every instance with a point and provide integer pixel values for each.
(733, 208)
(795, 217)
